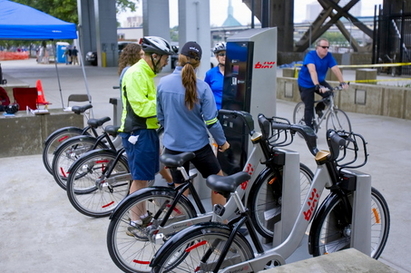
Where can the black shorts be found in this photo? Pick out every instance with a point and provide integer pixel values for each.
(205, 162)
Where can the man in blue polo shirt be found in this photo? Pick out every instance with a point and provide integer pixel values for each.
(311, 78)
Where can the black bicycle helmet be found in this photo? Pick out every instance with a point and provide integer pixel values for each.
(219, 47)
(155, 44)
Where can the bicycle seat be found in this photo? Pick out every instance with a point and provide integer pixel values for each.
(112, 130)
(226, 184)
(81, 109)
(178, 160)
(97, 122)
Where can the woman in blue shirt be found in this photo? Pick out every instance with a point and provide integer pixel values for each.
(215, 76)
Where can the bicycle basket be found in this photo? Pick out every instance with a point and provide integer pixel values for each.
(279, 137)
(354, 153)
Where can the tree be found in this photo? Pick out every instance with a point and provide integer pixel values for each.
(65, 10)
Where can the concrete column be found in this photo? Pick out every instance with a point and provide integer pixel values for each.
(106, 32)
(156, 20)
(98, 30)
(87, 26)
(194, 25)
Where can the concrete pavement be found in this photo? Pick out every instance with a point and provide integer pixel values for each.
(41, 232)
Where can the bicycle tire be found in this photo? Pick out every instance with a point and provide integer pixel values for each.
(54, 140)
(298, 116)
(298, 113)
(331, 222)
(265, 198)
(197, 249)
(133, 254)
(67, 153)
(338, 120)
(90, 196)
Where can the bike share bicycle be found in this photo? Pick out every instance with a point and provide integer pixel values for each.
(172, 211)
(62, 134)
(334, 118)
(73, 148)
(100, 179)
(353, 215)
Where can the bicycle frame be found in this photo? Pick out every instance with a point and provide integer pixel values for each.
(328, 109)
(250, 167)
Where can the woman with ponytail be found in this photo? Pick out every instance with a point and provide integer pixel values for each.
(187, 110)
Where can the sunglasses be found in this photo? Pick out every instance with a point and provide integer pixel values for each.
(221, 54)
(325, 47)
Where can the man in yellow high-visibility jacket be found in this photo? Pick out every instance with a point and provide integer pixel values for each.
(139, 121)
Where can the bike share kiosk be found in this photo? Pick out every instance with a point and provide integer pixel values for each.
(250, 85)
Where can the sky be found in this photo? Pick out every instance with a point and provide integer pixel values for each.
(218, 10)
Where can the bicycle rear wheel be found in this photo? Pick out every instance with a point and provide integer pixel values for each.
(265, 199)
(333, 232)
(89, 192)
(54, 140)
(134, 253)
(67, 153)
(298, 116)
(199, 248)
(338, 120)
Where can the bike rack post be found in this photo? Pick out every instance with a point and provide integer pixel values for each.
(291, 196)
(361, 218)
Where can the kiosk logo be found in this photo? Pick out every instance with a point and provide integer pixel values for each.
(258, 65)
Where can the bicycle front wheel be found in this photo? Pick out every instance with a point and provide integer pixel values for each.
(67, 153)
(54, 140)
(89, 191)
(265, 198)
(338, 120)
(132, 252)
(199, 250)
(333, 232)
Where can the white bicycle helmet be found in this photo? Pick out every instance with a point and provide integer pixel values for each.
(155, 44)
(219, 47)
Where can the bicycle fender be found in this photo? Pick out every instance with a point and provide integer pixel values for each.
(256, 183)
(314, 225)
(75, 138)
(181, 234)
(94, 152)
(129, 198)
(64, 129)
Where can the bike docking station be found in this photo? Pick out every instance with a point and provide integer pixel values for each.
(250, 85)
(360, 183)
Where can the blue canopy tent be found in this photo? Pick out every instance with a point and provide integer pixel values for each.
(21, 22)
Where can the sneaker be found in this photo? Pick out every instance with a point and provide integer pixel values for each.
(134, 228)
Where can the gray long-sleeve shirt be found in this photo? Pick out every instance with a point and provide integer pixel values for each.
(184, 129)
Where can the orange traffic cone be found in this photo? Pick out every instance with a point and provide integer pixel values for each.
(40, 94)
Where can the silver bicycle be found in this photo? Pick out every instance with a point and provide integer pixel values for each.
(353, 215)
(334, 118)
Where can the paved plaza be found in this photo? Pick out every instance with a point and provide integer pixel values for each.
(41, 232)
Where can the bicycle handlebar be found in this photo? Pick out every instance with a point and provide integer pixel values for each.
(308, 134)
